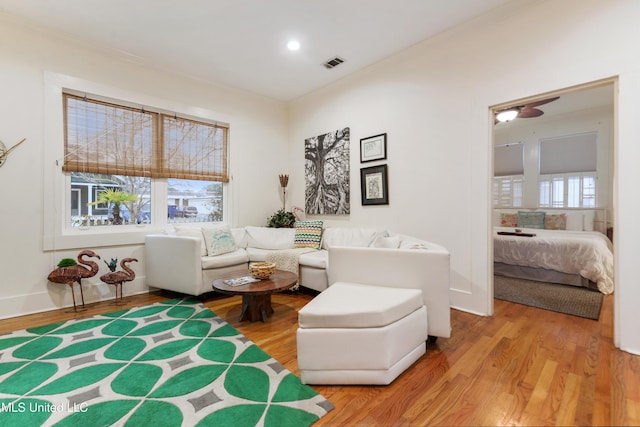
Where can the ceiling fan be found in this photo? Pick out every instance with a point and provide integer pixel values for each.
(524, 111)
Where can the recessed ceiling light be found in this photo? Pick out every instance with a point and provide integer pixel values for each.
(293, 45)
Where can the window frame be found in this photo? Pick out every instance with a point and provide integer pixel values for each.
(564, 177)
(513, 179)
(58, 233)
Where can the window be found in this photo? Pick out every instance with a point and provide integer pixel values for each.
(116, 154)
(508, 176)
(507, 191)
(568, 190)
(568, 176)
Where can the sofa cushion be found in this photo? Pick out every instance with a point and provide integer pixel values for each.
(258, 255)
(354, 305)
(191, 231)
(316, 259)
(308, 234)
(240, 236)
(269, 238)
(347, 236)
(237, 257)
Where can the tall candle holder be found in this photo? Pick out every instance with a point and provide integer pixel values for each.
(284, 181)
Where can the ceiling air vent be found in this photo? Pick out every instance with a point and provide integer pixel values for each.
(333, 62)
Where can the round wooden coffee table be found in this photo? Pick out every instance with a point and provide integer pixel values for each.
(256, 296)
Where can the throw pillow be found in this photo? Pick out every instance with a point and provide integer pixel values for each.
(308, 234)
(508, 220)
(555, 222)
(531, 219)
(386, 242)
(219, 240)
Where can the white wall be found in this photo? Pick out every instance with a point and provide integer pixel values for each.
(433, 102)
(28, 58)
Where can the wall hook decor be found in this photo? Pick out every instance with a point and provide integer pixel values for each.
(4, 152)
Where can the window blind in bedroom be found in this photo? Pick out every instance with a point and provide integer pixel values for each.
(509, 159)
(571, 153)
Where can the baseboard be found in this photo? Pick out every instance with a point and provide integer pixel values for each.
(56, 296)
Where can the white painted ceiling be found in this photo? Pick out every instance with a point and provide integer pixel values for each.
(242, 43)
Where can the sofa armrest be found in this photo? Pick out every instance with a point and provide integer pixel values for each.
(174, 263)
(425, 269)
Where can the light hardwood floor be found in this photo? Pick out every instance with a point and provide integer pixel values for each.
(522, 366)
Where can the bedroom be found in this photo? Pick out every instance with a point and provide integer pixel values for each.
(553, 162)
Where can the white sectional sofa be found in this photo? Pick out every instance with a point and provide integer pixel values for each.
(185, 259)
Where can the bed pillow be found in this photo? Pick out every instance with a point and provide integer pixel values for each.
(219, 240)
(308, 234)
(574, 221)
(531, 219)
(508, 220)
(555, 222)
(588, 219)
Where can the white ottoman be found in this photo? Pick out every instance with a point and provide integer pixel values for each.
(360, 334)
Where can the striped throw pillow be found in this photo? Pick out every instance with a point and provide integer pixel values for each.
(308, 234)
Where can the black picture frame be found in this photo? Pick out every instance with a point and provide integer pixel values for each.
(374, 187)
(373, 148)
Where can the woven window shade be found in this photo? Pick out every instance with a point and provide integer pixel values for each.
(192, 150)
(107, 139)
(111, 139)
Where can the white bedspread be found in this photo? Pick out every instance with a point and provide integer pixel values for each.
(587, 253)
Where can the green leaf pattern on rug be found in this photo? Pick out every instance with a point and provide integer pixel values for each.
(172, 363)
(137, 379)
(30, 376)
(37, 348)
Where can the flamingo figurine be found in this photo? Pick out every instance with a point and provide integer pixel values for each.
(75, 273)
(119, 277)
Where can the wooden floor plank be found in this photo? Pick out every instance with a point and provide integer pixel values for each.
(522, 366)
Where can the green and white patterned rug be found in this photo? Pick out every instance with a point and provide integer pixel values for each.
(174, 363)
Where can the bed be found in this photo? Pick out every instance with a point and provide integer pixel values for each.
(572, 256)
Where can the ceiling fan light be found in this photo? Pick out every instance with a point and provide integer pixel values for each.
(507, 115)
(293, 45)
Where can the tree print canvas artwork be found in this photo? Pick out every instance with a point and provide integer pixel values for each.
(327, 173)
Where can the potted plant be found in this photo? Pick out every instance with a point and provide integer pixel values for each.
(113, 264)
(113, 197)
(281, 219)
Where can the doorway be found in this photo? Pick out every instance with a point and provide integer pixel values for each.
(572, 116)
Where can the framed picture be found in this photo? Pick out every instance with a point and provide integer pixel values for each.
(373, 185)
(373, 148)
